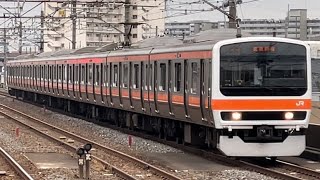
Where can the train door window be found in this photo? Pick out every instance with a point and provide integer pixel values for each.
(54, 73)
(65, 74)
(145, 76)
(194, 78)
(162, 78)
(83, 74)
(45, 72)
(151, 81)
(90, 74)
(125, 75)
(50, 73)
(101, 75)
(76, 74)
(177, 77)
(38, 73)
(59, 74)
(104, 75)
(115, 76)
(136, 77)
(69, 74)
(97, 75)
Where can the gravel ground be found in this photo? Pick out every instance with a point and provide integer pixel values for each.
(119, 141)
(29, 142)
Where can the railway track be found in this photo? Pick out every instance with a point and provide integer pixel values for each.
(278, 169)
(129, 166)
(15, 165)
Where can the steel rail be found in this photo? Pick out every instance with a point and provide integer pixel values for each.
(122, 155)
(15, 165)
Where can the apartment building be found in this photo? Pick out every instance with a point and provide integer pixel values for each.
(296, 26)
(181, 29)
(99, 24)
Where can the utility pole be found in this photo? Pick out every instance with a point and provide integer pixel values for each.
(42, 32)
(20, 37)
(233, 13)
(235, 23)
(5, 56)
(74, 24)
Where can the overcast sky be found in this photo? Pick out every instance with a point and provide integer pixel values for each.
(267, 9)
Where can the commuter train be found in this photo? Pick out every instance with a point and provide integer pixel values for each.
(247, 96)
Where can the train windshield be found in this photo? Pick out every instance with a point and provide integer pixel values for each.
(263, 69)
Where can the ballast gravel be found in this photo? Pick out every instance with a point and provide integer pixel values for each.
(119, 141)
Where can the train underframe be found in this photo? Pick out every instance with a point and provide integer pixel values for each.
(168, 129)
(260, 141)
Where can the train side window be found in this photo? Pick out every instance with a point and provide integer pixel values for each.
(108, 76)
(82, 74)
(125, 75)
(194, 78)
(163, 78)
(75, 74)
(90, 74)
(136, 76)
(104, 74)
(69, 74)
(65, 73)
(59, 74)
(54, 73)
(115, 76)
(151, 73)
(97, 75)
(145, 76)
(177, 77)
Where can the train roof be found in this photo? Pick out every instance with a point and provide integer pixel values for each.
(202, 41)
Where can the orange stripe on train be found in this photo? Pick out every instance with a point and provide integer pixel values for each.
(261, 104)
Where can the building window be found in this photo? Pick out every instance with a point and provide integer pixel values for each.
(134, 35)
(134, 17)
(134, 7)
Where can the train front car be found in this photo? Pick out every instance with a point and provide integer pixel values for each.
(261, 96)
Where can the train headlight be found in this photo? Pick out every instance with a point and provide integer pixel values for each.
(288, 115)
(236, 116)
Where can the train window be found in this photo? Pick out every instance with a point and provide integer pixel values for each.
(54, 73)
(145, 83)
(97, 75)
(177, 77)
(125, 75)
(59, 74)
(104, 74)
(65, 74)
(163, 78)
(49, 73)
(83, 74)
(115, 76)
(151, 77)
(70, 74)
(194, 78)
(90, 74)
(76, 74)
(136, 77)
(108, 76)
